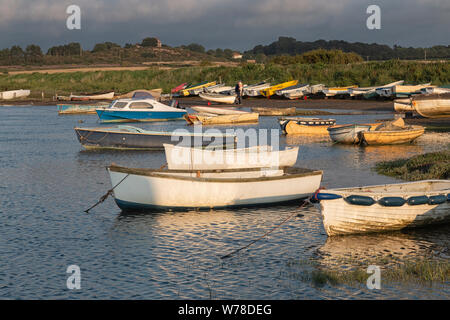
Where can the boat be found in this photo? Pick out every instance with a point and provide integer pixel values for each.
(14, 94)
(432, 106)
(196, 88)
(316, 88)
(219, 88)
(79, 108)
(254, 90)
(403, 105)
(402, 91)
(133, 138)
(182, 158)
(331, 92)
(268, 92)
(217, 110)
(126, 110)
(292, 89)
(180, 87)
(434, 90)
(391, 133)
(217, 97)
(206, 119)
(300, 125)
(386, 207)
(349, 133)
(104, 96)
(147, 189)
(263, 111)
(370, 92)
(155, 93)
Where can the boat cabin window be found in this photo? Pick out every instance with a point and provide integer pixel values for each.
(120, 105)
(141, 105)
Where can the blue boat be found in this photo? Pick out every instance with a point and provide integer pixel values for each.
(131, 110)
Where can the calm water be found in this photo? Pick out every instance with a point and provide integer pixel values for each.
(47, 181)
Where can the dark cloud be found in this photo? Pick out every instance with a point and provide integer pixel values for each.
(226, 23)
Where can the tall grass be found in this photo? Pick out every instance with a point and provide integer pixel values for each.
(362, 74)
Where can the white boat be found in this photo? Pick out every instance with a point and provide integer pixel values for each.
(354, 92)
(182, 158)
(14, 94)
(219, 88)
(104, 96)
(316, 88)
(255, 89)
(141, 189)
(217, 97)
(331, 92)
(294, 92)
(403, 105)
(432, 106)
(434, 90)
(217, 110)
(385, 207)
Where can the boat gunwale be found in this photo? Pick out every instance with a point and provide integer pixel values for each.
(411, 129)
(289, 173)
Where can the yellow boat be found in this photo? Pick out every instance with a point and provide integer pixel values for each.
(271, 90)
(205, 119)
(406, 135)
(185, 92)
(297, 125)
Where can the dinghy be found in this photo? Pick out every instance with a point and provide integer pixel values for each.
(299, 125)
(217, 110)
(132, 138)
(384, 207)
(263, 111)
(270, 91)
(255, 89)
(79, 108)
(217, 97)
(206, 119)
(196, 88)
(349, 133)
(394, 132)
(126, 110)
(105, 96)
(182, 158)
(14, 94)
(331, 92)
(144, 189)
(433, 105)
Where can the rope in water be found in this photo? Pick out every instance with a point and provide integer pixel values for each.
(106, 195)
(305, 202)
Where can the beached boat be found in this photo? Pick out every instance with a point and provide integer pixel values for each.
(217, 110)
(146, 189)
(219, 88)
(217, 97)
(349, 133)
(263, 111)
(180, 87)
(432, 106)
(104, 96)
(126, 110)
(14, 94)
(182, 158)
(268, 92)
(316, 88)
(384, 207)
(370, 92)
(334, 91)
(196, 88)
(254, 90)
(300, 125)
(79, 108)
(402, 91)
(406, 134)
(207, 119)
(128, 137)
(403, 105)
(155, 93)
(434, 90)
(294, 90)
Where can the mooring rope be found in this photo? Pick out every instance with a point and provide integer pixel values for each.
(305, 202)
(106, 195)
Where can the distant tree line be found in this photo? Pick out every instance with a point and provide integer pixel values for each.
(373, 51)
(319, 56)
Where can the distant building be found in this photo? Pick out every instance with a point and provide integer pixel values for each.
(159, 44)
(251, 61)
(236, 55)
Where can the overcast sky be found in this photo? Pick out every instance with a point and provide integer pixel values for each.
(236, 24)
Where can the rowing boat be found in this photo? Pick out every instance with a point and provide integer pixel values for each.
(146, 189)
(300, 125)
(349, 133)
(384, 207)
(404, 135)
(217, 110)
(196, 88)
(207, 119)
(268, 92)
(433, 105)
(14, 94)
(183, 158)
(104, 96)
(79, 108)
(133, 138)
(217, 97)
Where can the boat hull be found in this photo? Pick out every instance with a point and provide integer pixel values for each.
(106, 115)
(291, 127)
(78, 108)
(275, 111)
(102, 138)
(347, 134)
(433, 106)
(228, 99)
(392, 137)
(222, 119)
(146, 189)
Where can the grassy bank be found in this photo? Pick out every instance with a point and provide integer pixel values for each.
(434, 165)
(362, 74)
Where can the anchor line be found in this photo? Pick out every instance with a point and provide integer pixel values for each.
(106, 195)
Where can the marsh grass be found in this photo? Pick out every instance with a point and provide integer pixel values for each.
(362, 74)
(434, 165)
